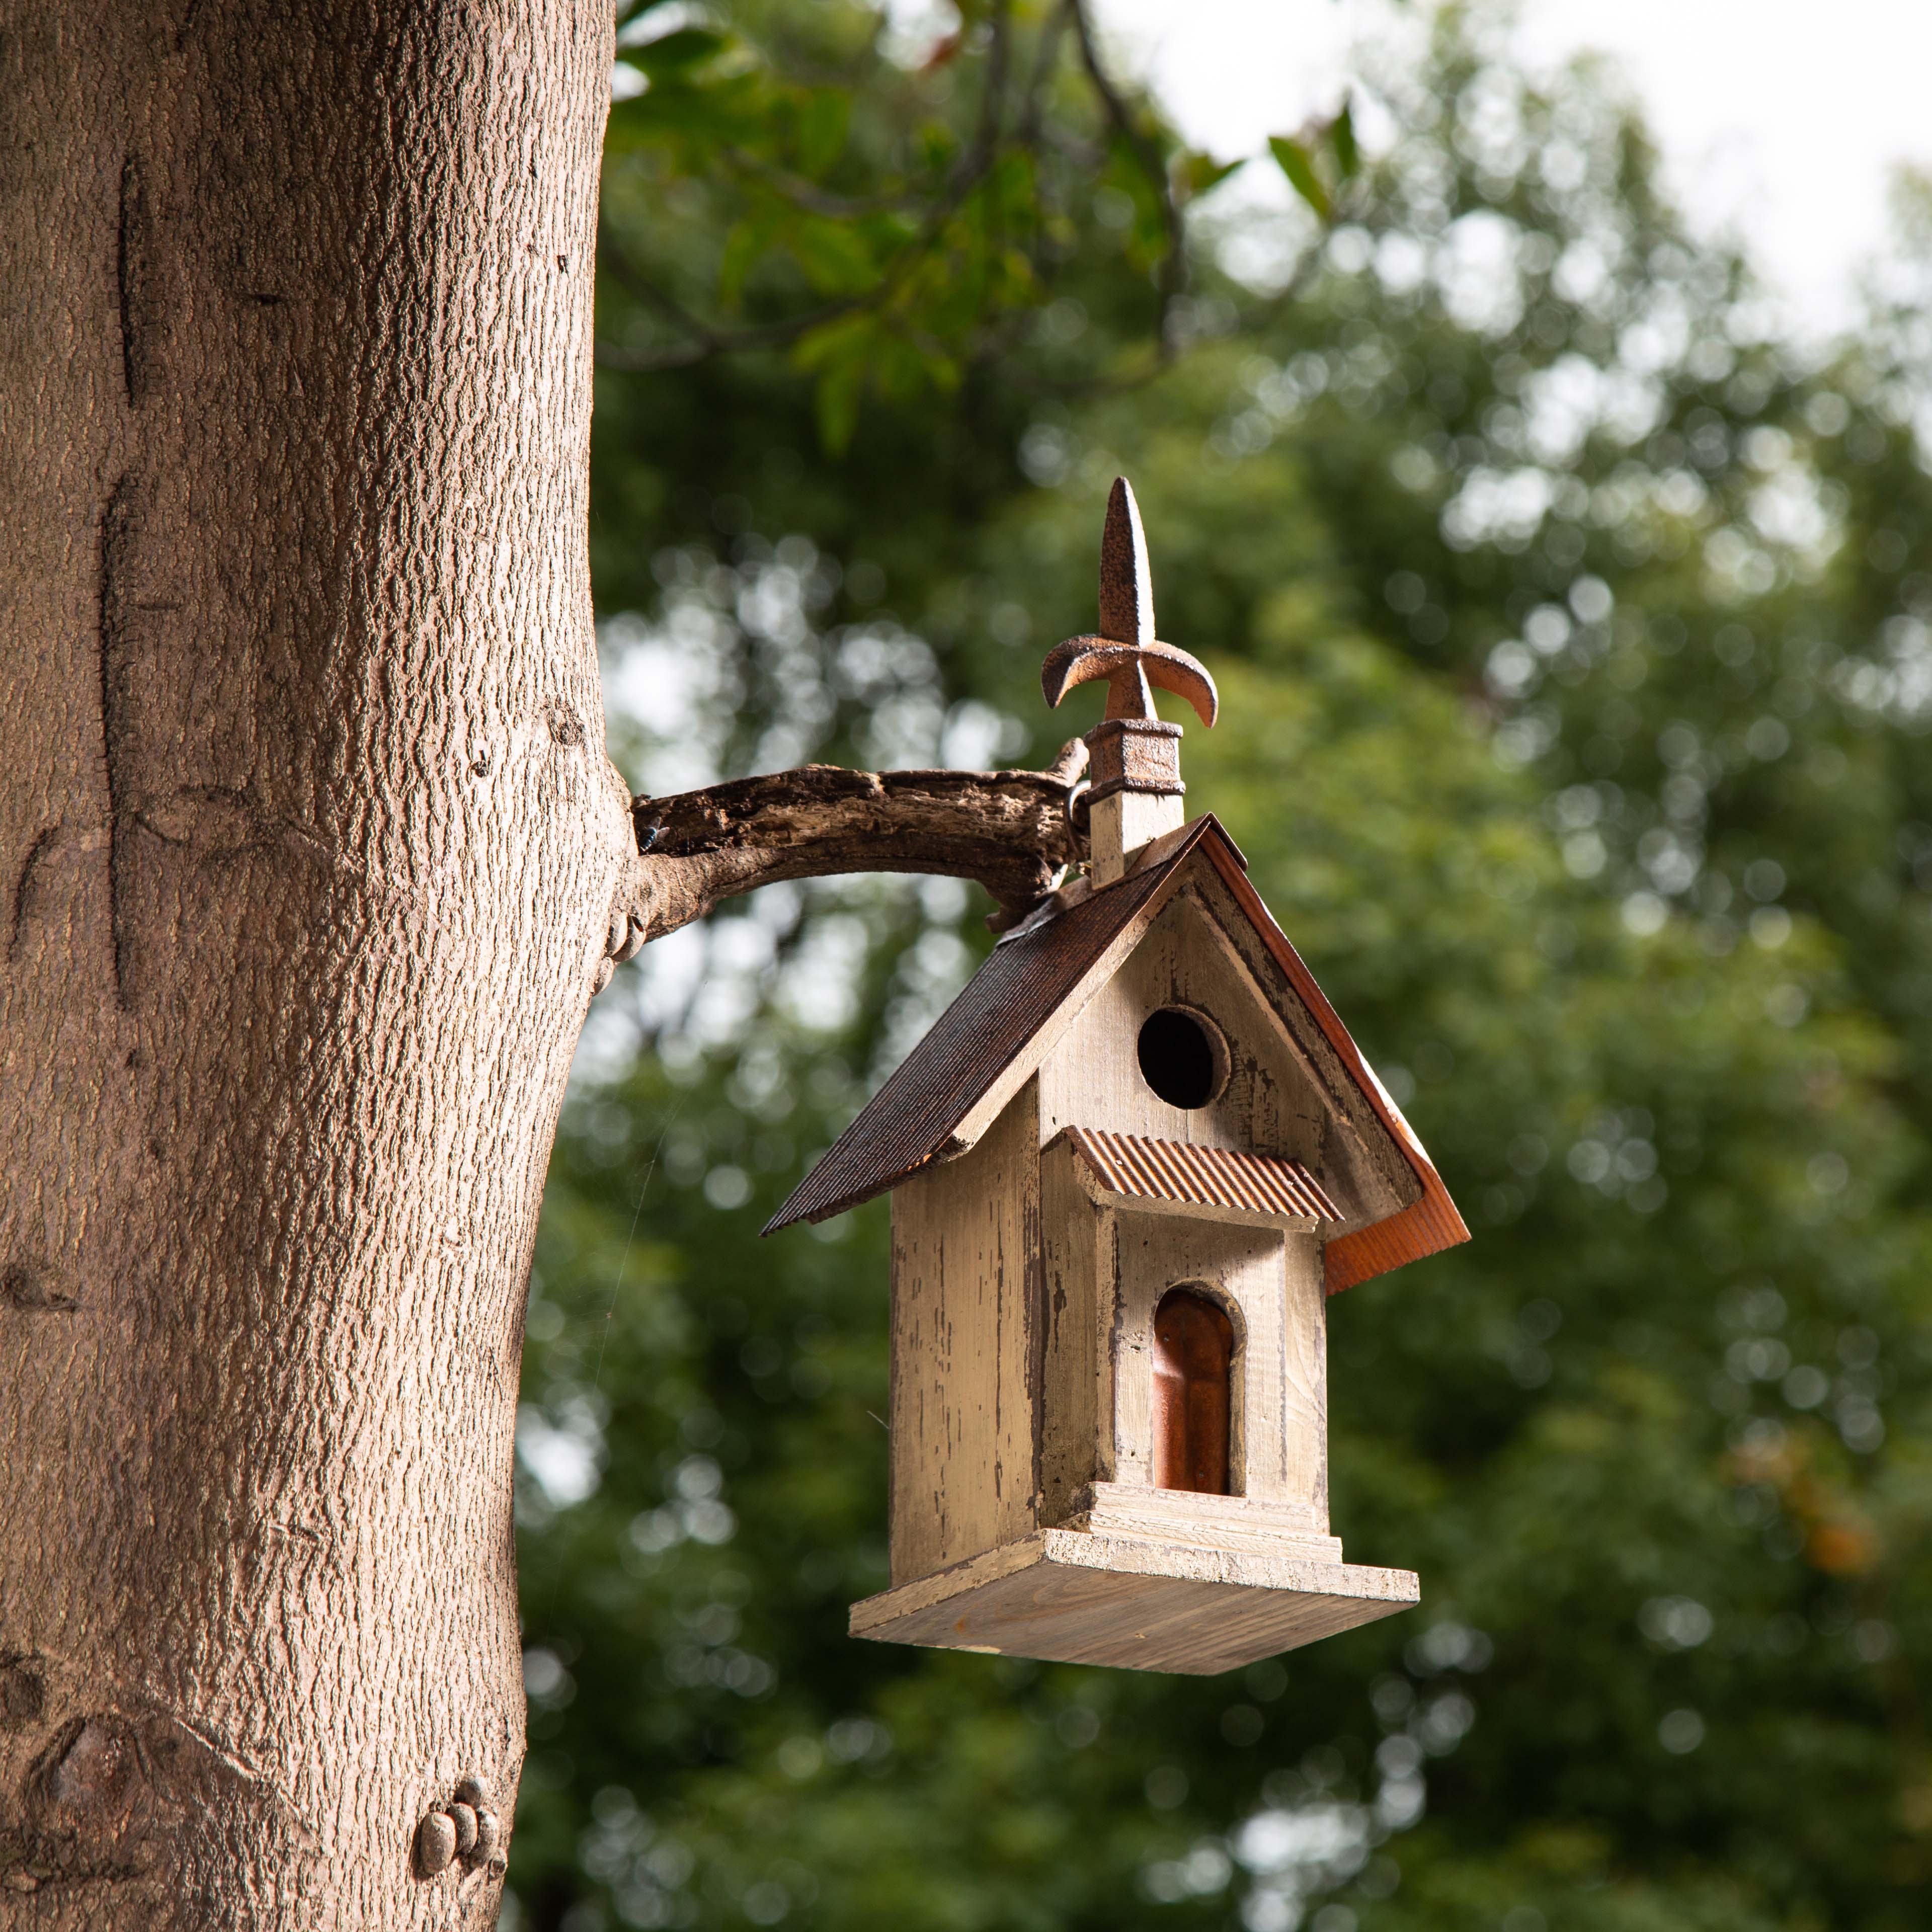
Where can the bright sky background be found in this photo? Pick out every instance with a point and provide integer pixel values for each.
(1780, 119)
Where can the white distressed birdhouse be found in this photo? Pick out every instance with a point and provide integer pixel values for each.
(1129, 1166)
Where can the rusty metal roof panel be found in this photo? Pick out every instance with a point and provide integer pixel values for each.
(1178, 1171)
(910, 1119)
(1035, 971)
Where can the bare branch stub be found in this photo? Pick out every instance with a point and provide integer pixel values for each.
(1011, 831)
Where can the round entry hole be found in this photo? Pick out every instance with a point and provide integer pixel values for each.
(1180, 1058)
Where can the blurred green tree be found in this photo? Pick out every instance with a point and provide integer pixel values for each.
(1573, 625)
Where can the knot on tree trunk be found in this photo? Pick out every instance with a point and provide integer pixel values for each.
(86, 1807)
(125, 1795)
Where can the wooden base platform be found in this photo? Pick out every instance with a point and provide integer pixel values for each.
(1074, 1597)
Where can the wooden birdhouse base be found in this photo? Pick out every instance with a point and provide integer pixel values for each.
(1073, 1597)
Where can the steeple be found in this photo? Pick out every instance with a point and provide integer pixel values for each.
(1135, 757)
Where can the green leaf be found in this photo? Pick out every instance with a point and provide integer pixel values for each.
(846, 338)
(743, 245)
(937, 145)
(673, 52)
(835, 404)
(1342, 138)
(822, 130)
(834, 257)
(1298, 165)
(1195, 173)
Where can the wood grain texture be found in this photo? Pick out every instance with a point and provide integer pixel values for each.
(308, 845)
(1128, 1512)
(1009, 830)
(1124, 822)
(1074, 1597)
(1076, 1373)
(967, 1347)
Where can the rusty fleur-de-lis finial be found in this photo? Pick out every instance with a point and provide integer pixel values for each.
(1134, 758)
(1125, 652)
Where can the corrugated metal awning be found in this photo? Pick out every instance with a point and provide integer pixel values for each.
(1183, 1175)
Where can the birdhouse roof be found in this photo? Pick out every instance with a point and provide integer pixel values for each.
(985, 1047)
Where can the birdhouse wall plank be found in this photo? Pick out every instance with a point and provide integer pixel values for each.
(1303, 1383)
(1077, 1305)
(966, 1346)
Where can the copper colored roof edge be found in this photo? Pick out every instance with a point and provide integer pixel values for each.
(1180, 1171)
(1426, 1225)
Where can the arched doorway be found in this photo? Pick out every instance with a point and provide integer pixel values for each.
(1193, 1361)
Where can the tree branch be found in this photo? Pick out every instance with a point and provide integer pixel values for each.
(1011, 831)
(1173, 275)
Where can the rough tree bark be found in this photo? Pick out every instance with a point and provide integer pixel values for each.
(309, 844)
(1011, 831)
(309, 861)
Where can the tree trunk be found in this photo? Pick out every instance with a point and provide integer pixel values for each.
(307, 850)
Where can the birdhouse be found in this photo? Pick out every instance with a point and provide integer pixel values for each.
(1129, 1166)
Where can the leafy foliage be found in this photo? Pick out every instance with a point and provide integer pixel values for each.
(890, 214)
(1321, 161)
(1573, 632)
